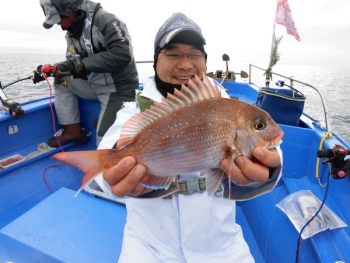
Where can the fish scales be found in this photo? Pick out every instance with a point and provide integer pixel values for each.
(194, 138)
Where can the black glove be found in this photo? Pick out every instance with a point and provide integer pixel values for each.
(79, 71)
(37, 75)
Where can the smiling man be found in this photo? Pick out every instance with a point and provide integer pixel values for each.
(190, 226)
(179, 54)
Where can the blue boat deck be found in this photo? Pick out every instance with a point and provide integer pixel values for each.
(36, 226)
(64, 228)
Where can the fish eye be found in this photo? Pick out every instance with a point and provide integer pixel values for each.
(259, 124)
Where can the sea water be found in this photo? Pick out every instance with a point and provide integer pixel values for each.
(332, 82)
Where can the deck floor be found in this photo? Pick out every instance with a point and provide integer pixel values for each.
(60, 228)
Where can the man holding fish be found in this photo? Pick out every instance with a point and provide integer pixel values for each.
(196, 162)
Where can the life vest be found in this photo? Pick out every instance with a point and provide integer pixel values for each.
(144, 103)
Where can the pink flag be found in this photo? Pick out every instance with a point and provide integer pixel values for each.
(284, 17)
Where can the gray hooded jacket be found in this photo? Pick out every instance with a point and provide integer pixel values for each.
(104, 46)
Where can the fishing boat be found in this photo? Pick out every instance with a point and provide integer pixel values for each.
(41, 220)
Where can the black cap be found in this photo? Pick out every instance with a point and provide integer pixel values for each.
(177, 23)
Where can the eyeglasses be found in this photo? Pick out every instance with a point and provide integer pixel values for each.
(177, 55)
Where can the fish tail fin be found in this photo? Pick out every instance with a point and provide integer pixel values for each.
(90, 162)
(213, 179)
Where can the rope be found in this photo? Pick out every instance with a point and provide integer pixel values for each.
(325, 136)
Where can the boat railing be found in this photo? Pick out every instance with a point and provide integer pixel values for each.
(291, 83)
(145, 61)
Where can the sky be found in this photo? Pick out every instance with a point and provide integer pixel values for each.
(242, 29)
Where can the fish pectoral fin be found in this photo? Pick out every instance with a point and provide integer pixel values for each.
(213, 179)
(157, 182)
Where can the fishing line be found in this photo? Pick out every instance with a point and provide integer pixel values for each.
(44, 175)
(55, 130)
(268, 232)
(300, 240)
(325, 136)
(52, 112)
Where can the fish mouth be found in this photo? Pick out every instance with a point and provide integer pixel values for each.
(276, 142)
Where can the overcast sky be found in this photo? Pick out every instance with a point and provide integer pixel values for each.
(242, 29)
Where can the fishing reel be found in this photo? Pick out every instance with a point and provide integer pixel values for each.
(13, 107)
(336, 156)
(51, 70)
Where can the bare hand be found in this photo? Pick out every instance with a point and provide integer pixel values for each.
(124, 178)
(246, 170)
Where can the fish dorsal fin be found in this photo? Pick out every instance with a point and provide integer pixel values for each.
(196, 91)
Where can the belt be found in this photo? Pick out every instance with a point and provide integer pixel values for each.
(191, 186)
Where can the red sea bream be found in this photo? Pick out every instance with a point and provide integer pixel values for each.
(190, 131)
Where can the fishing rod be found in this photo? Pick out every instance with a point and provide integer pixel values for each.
(14, 82)
(13, 107)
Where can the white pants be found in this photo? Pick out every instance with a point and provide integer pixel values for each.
(187, 229)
